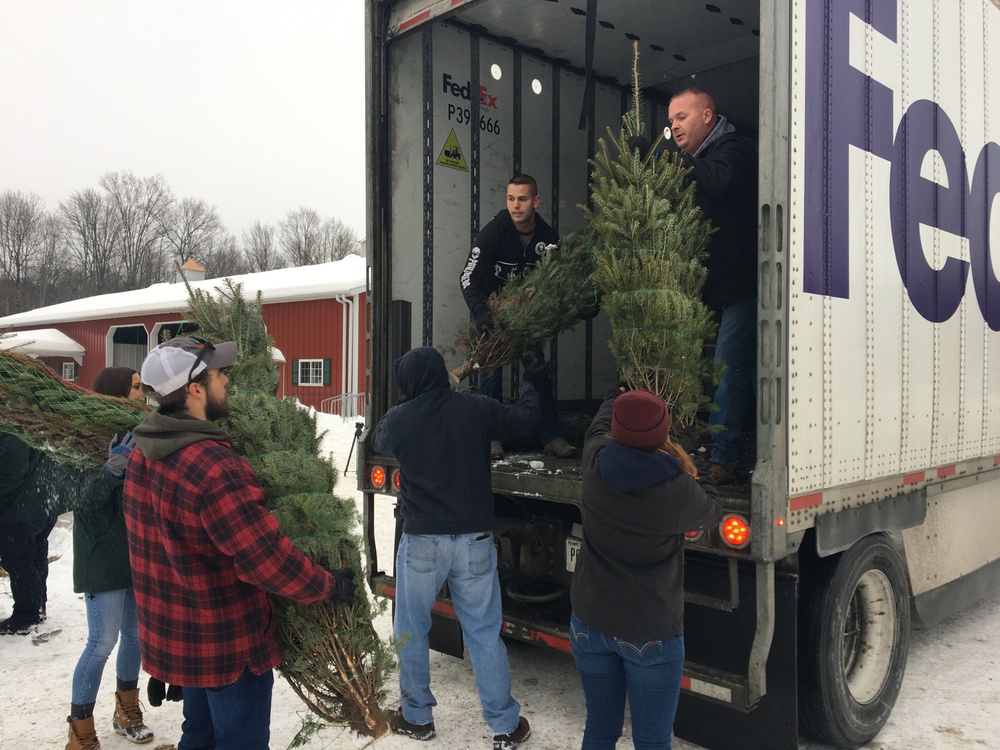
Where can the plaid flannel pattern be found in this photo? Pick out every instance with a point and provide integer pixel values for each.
(205, 553)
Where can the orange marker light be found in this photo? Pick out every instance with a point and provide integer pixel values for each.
(395, 479)
(378, 477)
(735, 531)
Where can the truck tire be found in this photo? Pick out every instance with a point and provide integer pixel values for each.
(853, 641)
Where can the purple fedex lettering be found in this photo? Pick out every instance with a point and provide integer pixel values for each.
(914, 200)
(843, 107)
(985, 189)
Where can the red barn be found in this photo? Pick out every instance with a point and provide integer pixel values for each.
(316, 316)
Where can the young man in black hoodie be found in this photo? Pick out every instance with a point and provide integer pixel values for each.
(441, 440)
(510, 245)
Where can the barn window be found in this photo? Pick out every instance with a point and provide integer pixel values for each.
(311, 372)
(69, 370)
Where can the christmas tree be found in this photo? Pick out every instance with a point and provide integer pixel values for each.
(530, 309)
(649, 238)
(331, 655)
(70, 423)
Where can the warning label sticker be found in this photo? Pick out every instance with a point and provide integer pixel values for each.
(451, 155)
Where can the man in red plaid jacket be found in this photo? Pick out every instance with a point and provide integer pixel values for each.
(205, 554)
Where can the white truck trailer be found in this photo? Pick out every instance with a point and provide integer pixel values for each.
(874, 497)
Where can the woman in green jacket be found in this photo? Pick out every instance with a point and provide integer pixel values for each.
(102, 574)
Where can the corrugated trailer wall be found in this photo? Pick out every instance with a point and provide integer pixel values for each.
(485, 111)
(891, 358)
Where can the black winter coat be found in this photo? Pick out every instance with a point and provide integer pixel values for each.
(442, 442)
(33, 487)
(496, 256)
(726, 176)
(629, 578)
(100, 545)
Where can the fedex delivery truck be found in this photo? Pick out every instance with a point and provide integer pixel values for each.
(874, 499)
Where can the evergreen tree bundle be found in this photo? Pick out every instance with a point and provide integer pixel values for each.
(68, 422)
(331, 654)
(649, 239)
(530, 309)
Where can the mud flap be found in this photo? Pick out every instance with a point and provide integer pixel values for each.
(773, 723)
(446, 635)
(446, 631)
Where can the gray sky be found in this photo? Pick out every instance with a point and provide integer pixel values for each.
(255, 106)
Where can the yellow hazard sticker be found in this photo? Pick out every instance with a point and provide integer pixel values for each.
(451, 155)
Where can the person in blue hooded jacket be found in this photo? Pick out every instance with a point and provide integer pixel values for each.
(441, 440)
(641, 492)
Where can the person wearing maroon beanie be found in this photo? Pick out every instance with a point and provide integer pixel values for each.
(641, 492)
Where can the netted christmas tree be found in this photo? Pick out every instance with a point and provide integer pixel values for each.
(649, 239)
(331, 655)
(70, 423)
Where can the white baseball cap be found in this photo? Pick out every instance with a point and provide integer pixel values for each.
(175, 363)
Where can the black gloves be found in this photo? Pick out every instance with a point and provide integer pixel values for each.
(343, 585)
(640, 143)
(536, 372)
(343, 582)
(618, 389)
(485, 325)
(156, 691)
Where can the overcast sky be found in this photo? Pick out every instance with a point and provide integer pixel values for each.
(255, 106)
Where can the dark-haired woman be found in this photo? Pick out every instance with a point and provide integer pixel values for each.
(641, 492)
(102, 574)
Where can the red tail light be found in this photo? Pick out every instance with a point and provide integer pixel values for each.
(735, 531)
(378, 477)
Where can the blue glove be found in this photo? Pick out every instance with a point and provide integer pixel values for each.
(118, 454)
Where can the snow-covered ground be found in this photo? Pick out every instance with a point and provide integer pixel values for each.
(950, 697)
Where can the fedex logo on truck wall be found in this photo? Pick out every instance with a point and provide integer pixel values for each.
(845, 107)
(465, 92)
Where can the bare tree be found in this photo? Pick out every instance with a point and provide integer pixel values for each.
(223, 258)
(21, 216)
(140, 206)
(259, 249)
(191, 228)
(91, 234)
(300, 237)
(54, 272)
(337, 240)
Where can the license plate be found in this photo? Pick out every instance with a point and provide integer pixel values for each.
(572, 553)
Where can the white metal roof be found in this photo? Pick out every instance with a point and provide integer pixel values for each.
(320, 281)
(44, 342)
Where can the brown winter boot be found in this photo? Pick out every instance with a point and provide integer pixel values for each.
(128, 718)
(82, 735)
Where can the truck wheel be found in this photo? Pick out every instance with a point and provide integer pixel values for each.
(854, 636)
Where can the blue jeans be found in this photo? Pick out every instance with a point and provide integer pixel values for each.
(24, 554)
(468, 562)
(233, 717)
(491, 384)
(736, 348)
(108, 614)
(650, 673)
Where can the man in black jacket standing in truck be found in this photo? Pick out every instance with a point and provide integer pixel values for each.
(510, 245)
(724, 166)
